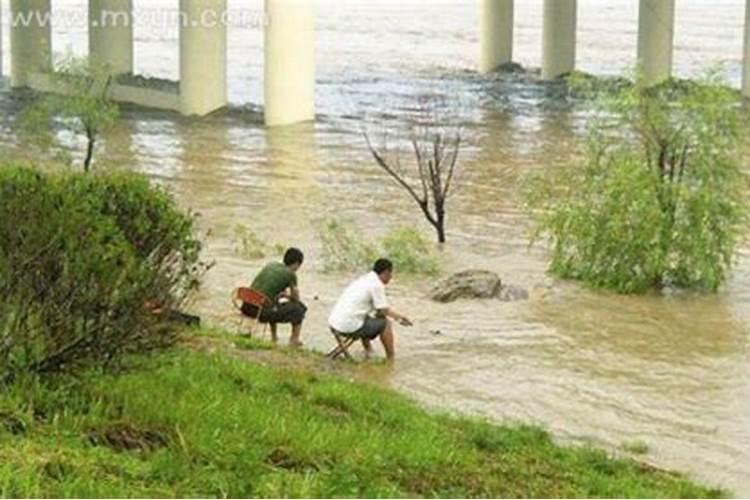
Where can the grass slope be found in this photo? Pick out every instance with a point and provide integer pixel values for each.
(187, 423)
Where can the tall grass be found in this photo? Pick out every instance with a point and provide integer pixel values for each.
(345, 248)
(249, 245)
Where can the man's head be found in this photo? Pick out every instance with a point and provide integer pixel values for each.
(384, 269)
(293, 258)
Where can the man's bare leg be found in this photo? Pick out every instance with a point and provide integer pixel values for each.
(388, 340)
(368, 348)
(294, 340)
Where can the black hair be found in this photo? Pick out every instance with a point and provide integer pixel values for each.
(382, 265)
(294, 256)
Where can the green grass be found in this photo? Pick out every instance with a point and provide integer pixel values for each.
(186, 423)
(636, 447)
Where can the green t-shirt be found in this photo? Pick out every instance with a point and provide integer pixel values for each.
(274, 279)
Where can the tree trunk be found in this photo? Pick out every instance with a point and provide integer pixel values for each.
(441, 233)
(440, 218)
(89, 153)
(440, 227)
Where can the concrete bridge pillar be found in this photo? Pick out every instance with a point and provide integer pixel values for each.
(111, 35)
(1, 40)
(746, 72)
(203, 56)
(656, 39)
(496, 34)
(289, 62)
(30, 40)
(559, 38)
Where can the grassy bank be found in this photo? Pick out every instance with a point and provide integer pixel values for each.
(191, 423)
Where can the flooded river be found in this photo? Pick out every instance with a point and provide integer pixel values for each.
(671, 372)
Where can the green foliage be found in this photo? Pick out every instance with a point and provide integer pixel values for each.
(636, 447)
(346, 249)
(188, 424)
(84, 262)
(410, 251)
(658, 197)
(82, 106)
(249, 245)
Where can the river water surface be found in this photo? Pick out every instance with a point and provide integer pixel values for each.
(672, 372)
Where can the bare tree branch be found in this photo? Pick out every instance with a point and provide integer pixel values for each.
(384, 164)
(436, 154)
(452, 167)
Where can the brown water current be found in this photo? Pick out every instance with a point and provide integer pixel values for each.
(670, 371)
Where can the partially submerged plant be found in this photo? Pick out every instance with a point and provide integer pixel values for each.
(658, 198)
(347, 249)
(249, 245)
(436, 147)
(82, 105)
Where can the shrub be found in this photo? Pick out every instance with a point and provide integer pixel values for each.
(346, 249)
(85, 262)
(249, 245)
(658, 197)
(83, 105)
(410, 251)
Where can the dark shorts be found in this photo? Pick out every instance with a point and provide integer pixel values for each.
(372, 329)
(280, 313)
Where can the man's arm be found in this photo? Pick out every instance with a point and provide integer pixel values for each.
(291, 293)
(388, 312)
(380, 302)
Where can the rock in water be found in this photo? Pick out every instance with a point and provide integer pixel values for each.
(512, 293)
(467, 285)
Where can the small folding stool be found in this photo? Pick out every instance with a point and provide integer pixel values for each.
(343, 344)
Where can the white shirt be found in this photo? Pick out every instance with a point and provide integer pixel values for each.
(362, 297)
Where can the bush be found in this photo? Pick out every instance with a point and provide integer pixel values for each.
(658, 198)
(248, 245)
(410, 251)
(346, 249)
(83, 106)
(85, 265)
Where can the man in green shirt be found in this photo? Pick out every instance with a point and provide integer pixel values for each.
(278, 282)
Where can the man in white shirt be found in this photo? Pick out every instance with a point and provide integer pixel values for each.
(363, 312)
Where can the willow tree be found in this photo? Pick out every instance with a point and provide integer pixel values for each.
(81, 104)
(658, 196)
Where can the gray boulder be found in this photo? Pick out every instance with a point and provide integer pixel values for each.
(512, 293)
(467, 285)
(476, 285)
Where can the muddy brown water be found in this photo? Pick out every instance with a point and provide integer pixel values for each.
(672, 372)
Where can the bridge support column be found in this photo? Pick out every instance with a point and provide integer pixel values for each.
(1, 40)
(111, 35)
(203, 56)
(656, 39)
(30, 40)
(559, 44)
(746, 73)
(289, 62)
(496, 34)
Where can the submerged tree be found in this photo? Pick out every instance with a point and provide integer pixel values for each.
(83, 106)
(436, 149)
(658, 196)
